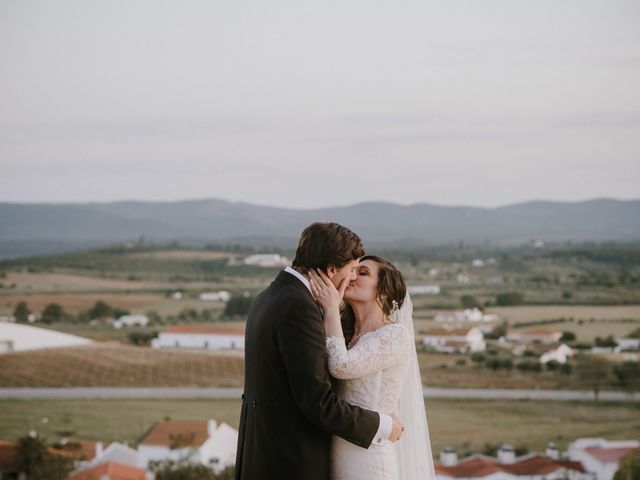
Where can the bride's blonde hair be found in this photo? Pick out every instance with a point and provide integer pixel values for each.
(390, 294)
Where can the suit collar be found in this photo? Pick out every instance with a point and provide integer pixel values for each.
(289, 279)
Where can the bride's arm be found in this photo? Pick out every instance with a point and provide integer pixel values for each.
(380, 350)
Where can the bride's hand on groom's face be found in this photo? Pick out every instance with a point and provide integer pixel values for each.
(325, 293)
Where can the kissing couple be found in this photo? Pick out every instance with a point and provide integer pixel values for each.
(332, 386)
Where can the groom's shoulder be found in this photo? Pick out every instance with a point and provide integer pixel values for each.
(288, 288)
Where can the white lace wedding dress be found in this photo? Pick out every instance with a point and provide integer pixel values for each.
(372, 374)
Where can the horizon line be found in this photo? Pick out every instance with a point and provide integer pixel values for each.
(346, 205)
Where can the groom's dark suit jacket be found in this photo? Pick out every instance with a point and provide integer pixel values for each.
(289, 409)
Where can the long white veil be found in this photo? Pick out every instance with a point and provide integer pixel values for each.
(415, 460)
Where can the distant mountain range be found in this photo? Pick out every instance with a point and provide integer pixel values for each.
(28, 229)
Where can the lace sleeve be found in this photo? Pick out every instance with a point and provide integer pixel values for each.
(376, 351)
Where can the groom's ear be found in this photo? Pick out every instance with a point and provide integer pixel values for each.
(331, 271)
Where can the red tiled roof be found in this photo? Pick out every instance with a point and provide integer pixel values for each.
(7, 454)
(608, 455)
(80, 448)
(183, 433)
(208, 329)
(481, 467)
(113, 470)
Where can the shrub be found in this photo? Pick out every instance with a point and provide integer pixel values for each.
(567, 336)
(237, 306)
(478, 357)
(566, 368)
(21, 312)
(529, 366)
(509, 298)
(53, 313)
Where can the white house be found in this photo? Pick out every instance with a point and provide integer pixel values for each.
(208, 337)
(221, 296)
(600, 456)
(507, 466)
(451, 340)
(131, 321)
(627, 344)
(424, 290)
(266, 260)
(203, 442)
(534, 335)
(115, 452)
(467, 315)
(15, 337)
(560, 354)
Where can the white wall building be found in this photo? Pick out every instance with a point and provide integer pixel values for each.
(627, 344)
(203, 442)
(600, 456)
(221, 296)
(208, 337)
(131, 321)
(467, 315)
(560, 354)
(15, 337)
(266, 260)
(424, 290)
(115, 452)
(452, 340)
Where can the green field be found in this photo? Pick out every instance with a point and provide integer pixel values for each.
(466, 425)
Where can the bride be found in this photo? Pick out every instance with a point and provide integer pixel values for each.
(371, 350)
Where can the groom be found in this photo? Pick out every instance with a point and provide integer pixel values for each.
(289, 410)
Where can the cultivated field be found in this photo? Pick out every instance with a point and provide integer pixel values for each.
(79, 302)
(467, 425)
(115, 365)
(64, 282)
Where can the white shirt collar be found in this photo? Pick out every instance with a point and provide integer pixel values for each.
(299, 276)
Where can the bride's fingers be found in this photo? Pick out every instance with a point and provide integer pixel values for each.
(326, 280)
(313, 277)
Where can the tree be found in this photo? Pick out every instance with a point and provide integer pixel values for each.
(142, 338)
(498, 331)
(478, 357)
(34, 459)
(469, 301)
(509, 298)
(635, 333)
(100, 310)
(567, 336)
(53, 313)
(628, 375)
(492, 363)
(606, 342)
(183, 469)
(593, 372)
(629, 466)
(21, 312)
(237, 306)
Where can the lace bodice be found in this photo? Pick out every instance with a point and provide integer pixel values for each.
(373, 371)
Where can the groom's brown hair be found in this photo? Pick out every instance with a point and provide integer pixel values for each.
(324, 244)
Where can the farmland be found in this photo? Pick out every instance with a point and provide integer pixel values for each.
(120, 365)
(467, 425)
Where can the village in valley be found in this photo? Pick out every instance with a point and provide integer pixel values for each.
(494, 330)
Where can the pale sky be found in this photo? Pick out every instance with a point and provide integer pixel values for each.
(308, 104)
